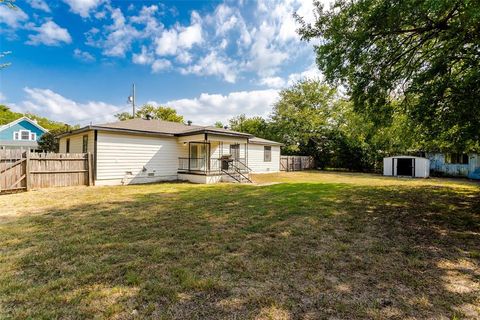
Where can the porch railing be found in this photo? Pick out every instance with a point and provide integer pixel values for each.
(215, 165)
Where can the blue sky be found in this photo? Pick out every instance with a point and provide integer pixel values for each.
(75, 60)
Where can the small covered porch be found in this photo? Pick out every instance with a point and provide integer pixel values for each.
(209, 157)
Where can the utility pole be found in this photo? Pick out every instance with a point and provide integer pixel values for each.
(133, 99)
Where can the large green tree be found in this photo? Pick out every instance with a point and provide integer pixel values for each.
(256, 126)
(156, 112)
(303, 112)
(423, 53)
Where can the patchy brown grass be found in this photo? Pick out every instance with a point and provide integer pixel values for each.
(315, 245)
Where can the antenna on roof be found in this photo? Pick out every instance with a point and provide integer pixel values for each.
(131, 99)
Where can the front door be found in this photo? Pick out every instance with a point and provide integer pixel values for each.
(405, 167)
(235, 151)
(197, 156)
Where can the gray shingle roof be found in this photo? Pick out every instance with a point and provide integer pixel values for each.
(256, 140)
(158, 127)
(155, 126)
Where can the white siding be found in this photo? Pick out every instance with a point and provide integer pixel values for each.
(387, 166)
(136, 159)
(76, 143)
(220, 149)
(256, 157)
(422, 166)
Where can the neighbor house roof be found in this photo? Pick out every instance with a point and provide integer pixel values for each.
(157, 127)
(11, 124)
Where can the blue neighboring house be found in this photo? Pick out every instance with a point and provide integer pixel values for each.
(22, 133)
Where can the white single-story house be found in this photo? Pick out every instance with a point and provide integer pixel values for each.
(406, 166)
(142, 151)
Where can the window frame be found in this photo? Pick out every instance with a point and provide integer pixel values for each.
(28, 132)
(457, 158)
(267, 153)
(235, 151)
(85, 143)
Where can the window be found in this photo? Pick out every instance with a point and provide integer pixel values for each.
(235, 151)
(456, 158)
(67, 146)
(24, 135)
(267, 154)
(85, 144)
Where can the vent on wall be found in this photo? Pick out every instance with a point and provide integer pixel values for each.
(151, 174)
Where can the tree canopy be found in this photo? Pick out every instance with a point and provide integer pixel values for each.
(312, 118)
(156, 112)
(424, 54)
(256, 125)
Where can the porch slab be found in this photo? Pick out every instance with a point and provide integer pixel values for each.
(200, 178)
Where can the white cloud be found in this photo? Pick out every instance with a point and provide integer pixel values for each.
(167, 43)
(265, 59)
(160, 65)
(229, 42)
(12, 18)
(209, 108)
(39, 5)
(82, 7)
(148, 18)
(143, 57)
(83, 55)
(311, 73)
(176, 40)
(212, 64)
(50, 34)
(2, 97)
(191, 35)
(50, 104)
(272, 82)
(184, 57)
(117, 38)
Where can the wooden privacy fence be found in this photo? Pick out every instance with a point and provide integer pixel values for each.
(24, 170)
(296, 163)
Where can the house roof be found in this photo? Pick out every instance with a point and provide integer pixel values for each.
(157, 127)
(166, 128)
(256, 140)
(11, 124)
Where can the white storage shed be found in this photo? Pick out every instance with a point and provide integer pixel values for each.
(406, 166)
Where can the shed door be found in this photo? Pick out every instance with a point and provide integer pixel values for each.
(405, 167)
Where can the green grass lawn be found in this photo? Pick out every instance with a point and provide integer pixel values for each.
(312, 246)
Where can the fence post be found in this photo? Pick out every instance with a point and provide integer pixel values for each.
(27, 170)
(90, 171)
